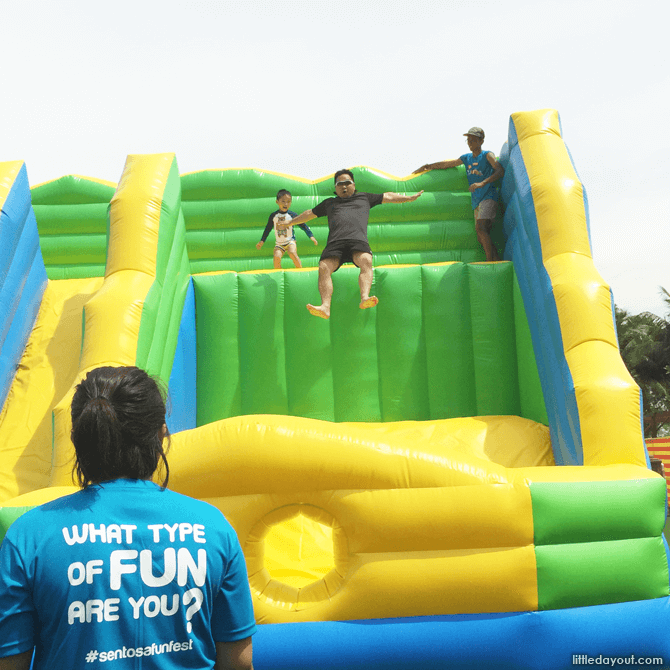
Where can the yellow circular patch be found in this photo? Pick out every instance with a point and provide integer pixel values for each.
(296, 557)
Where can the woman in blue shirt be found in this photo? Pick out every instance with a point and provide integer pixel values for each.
(124, 568)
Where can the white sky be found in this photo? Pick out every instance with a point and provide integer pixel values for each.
(306, 87)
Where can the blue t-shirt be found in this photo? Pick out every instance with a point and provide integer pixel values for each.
(122, 570)
(477, 168)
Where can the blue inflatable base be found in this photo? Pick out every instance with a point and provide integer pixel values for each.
(544, 640)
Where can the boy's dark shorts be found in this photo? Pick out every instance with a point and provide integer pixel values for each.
(344, 250)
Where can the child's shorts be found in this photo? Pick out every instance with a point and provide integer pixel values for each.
(287, 246)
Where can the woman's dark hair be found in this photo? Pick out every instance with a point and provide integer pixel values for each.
(118, 418)
(339, 173)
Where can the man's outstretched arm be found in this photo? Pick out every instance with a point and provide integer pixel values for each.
(306, 216)
(440, 165)
(389, 196)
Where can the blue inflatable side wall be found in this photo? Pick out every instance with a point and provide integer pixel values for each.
(524, 249)
(23, 277)
(182, 388)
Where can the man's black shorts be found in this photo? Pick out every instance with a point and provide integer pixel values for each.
(343, 250)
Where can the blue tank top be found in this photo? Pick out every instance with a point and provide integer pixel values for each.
(477, 168)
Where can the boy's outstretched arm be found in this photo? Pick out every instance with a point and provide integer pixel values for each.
(389, 196)
(308, 231)
(265, 234)
(440, 165)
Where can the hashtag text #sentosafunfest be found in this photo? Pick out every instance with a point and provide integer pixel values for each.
(137, 652)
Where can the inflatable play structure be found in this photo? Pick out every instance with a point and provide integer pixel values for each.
(454, 479)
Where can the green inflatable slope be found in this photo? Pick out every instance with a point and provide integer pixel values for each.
(226, 211)
(446, 340)
(72, 221)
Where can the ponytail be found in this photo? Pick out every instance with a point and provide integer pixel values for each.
(118, 425)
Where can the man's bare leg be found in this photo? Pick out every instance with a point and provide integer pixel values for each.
(326, 268)
(364, 261)
(483, 228)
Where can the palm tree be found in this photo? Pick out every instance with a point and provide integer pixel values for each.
(644, 342)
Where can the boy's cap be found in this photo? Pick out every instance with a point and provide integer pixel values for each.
(477, 132)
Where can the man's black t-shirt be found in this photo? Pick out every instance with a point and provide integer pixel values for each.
(348, 217)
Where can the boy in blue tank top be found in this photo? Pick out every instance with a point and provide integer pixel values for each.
(482, 170)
